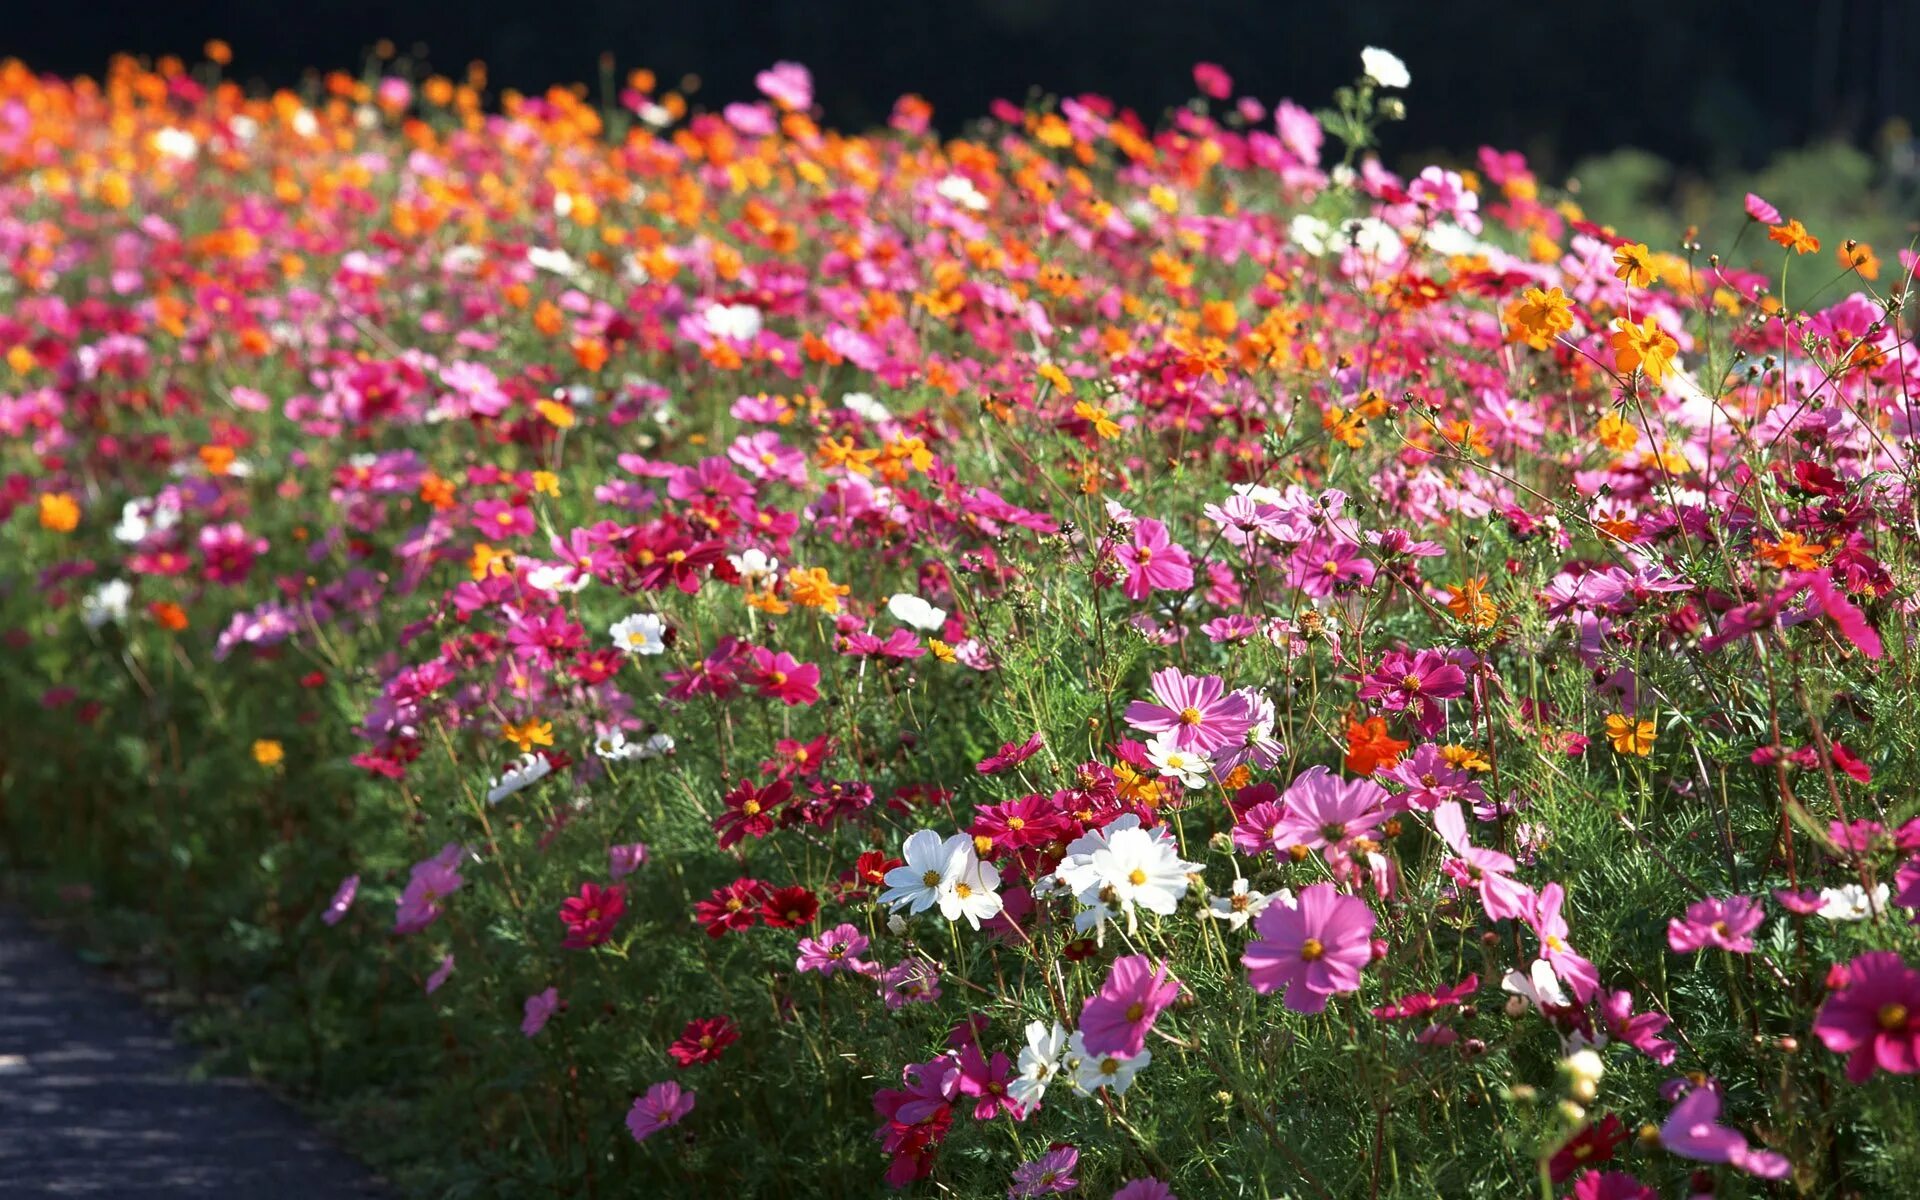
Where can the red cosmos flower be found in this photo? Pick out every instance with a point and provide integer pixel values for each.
(702, 1041)
(783, 677)
(591, 916)
(1010, 755)
(1591, 1146)
(790, 907)
(749, 812)
(735, 906)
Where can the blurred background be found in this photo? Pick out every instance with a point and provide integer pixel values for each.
(1646, 104)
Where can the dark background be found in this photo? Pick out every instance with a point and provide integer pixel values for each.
(1705, 83)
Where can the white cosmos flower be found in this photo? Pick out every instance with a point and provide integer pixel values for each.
(553, 261)
(1851, 902)
(1122, 867)
(1539, 987)
(1312, 235)
(914, 611)
(1189, 767)
(108, 602)
(1243, 904)
(864, 406)
(960, 190)
(754, 564)
(176, 144)
(656, 745)
(1040, 1063)
(734, 322)
(612, 745)
(970, 891)
(930, 863)
(529, 770)
(555, 578)
(1105, 1071)
(1384, 67)
(641, 633)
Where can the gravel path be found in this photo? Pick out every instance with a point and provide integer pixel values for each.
(94, 1100)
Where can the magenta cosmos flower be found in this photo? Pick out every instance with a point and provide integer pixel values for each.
(1198, 710)
(838, 949)
(1116, 1021)
(1313, 950)
(1874, 1019)
(539, 1009)
(664, 1105)
(1154, 562)
(1724, 924)
(591, 916)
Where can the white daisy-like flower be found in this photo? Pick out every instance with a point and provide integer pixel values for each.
(1243, 904)
(1852, 903)
(1384, 67)
(931, 861)
(612, 745)
(641, 633)
(960, 190)
(1040, 1063)
(523, 774)
(176, 144)
(656, 745)
(912, 610)
(1189, 767)
(1121, 868)
(754, 564)
(1539, 987)
(1106, 1070)
(106, 603)
(554, 261)
(1312, 235)
(734, 322)
(555, 578)
(971, 892)
(864, 406)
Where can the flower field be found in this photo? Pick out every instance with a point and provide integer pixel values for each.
(632, 648)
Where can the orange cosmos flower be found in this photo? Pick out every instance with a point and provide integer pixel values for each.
(812, 587)
(1644, 347)
(528, 734)
(1469, 602)
(1370, 746)
(1791, 552)
(59, 512)
(1794, 236)
(1542, 314)
(1635, 265)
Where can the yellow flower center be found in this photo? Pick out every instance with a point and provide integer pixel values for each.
(931, 879)
(1136, 1010)
(1136, 877)
(1893, 1017)
(1312, 950)
(1189, 716)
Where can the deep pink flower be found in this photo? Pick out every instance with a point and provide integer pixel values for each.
(1545, 919)
(749, 811)
(1313, 950)
(1725, 924)
(1761, 211)
(1212, 80)
(1874, 1017)
(1010, 755)
(986, 1080)
(1611, 1185)
(1198, 710)
(1144, 1189)
(1639, 1030)
(1116, 1020)
(1906, 884)
(733, 907)
(591, 916)
(342, 900)
(625, 860)
(664, 1105)
(784, 678)
(703, 1040)
(1430, 780)
(1414, 682)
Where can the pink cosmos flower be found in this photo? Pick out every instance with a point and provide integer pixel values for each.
(914, 981)
(440, 975)
(1874, 1017)
(1692, 1130)
(1547, 923)
(1761, 211)
(1116, 1020)
(230, 552)
(1325, 811)
(1199, 711)
(788, 84)
(1430, 780)
(1258, 830)
(1144, 1189)
(838, 949)
(1725, 924)
(665, 1105)
(342, 900)
(1154, 562)
(623, 861)
(986, 1080)
(539, 1008)
(1906, 883)
(1212, 80)
(784, 678)
(1051, 1172)
(1312, 950)
(431, 882)
(1639, 1030)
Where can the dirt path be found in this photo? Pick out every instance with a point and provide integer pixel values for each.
(95, 1101)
